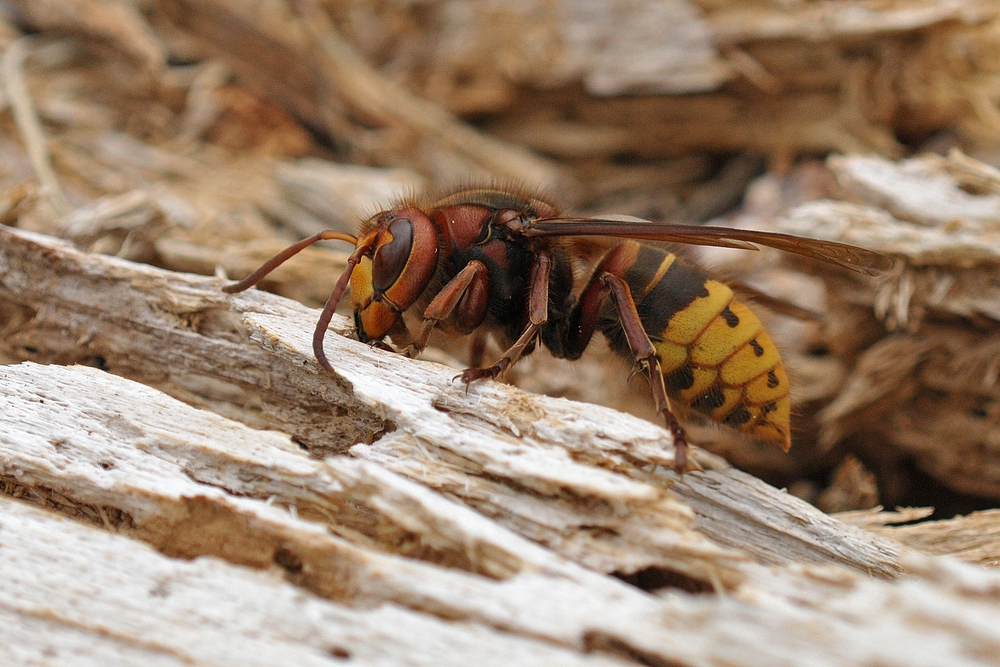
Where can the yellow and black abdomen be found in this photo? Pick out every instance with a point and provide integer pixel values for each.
(715, 355)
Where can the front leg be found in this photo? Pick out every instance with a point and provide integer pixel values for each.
(538, 315)
(465, 296)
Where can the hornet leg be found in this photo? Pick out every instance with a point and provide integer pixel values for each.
(538, 314)
(471, 281)
(477, 349)
(645, 355)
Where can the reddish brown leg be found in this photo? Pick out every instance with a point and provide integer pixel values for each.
(477, 348)
(538, 314)
(645, 355)
(444, 303)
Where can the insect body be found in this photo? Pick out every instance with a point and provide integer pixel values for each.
(492, 260)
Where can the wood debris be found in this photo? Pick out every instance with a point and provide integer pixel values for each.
(926, 388)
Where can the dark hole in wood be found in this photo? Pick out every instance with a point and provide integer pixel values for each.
(656, 578)
(339, 652)
(288, 561)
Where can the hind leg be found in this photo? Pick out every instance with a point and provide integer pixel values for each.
(583, 323)
(645, 355)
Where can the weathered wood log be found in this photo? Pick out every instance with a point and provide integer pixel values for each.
(974, 538)
(179, 333)
(128, 458)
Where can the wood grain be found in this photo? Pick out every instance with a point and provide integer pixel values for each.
(493, 514)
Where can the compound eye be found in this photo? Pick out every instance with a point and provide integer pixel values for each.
(390, 258)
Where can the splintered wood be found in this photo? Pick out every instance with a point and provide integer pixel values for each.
(536, 497)
(974, 538)
(928, 388)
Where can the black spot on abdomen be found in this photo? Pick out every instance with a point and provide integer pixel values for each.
(710, 400)
(739, 416)
(731, 318)
(680, 379)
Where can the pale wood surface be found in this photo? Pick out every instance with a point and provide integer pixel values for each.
(581, 465)
(76, 595)
(495, 508)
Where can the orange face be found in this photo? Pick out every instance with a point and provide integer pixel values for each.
(390, 278)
